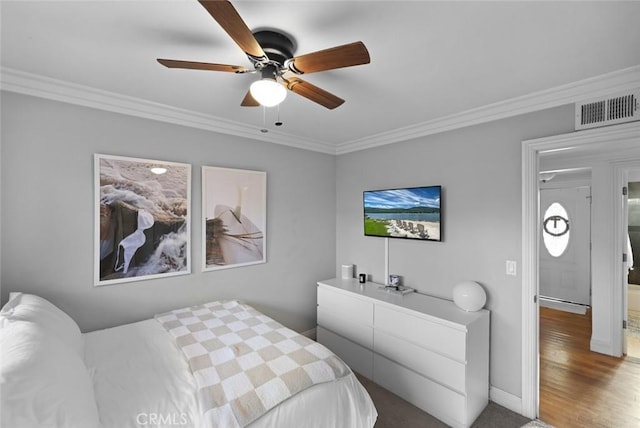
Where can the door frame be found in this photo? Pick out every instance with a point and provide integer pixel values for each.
(602, 140)
(624, 170)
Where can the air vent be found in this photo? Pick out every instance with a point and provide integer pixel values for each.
(608, 111)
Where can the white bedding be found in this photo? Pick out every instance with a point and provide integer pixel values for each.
(138, 374)
(53, 376)
(142, 379)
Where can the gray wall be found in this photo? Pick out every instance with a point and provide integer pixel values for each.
(47, 215)
(480, 170)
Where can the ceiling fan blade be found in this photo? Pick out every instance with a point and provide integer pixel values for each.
(328, 59)
(313, 93)
(172, 63)
(249, 101)
(231, 22)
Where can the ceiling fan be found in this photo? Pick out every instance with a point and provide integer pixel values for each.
(271, 53)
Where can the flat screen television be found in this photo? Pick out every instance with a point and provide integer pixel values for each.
(409, 213)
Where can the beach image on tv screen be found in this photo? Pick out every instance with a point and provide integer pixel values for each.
(412, 213)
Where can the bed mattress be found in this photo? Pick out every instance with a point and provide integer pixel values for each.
(141, 378)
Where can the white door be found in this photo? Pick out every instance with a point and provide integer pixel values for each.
(565, 254)
(630, 176)
(628, 264)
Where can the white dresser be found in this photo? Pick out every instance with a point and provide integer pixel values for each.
(422, 348)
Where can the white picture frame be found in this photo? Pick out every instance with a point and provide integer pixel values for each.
(142, 219)
(234, 218)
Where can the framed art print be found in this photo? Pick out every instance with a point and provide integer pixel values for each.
(142, 219)
(234, 217)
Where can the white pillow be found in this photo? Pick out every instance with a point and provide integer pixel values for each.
(32, 308)
(43, 382)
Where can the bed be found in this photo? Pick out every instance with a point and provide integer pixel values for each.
(151, 373)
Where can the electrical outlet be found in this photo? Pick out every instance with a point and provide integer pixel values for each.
(511, 267)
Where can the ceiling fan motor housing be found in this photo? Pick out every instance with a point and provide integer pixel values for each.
(271, 51)
(276, 45)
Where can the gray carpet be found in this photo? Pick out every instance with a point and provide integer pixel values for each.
(394, 412)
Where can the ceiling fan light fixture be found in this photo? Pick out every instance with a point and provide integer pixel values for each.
(271, 52)
(268, 92)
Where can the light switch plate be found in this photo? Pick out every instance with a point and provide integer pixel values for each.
(511, 267)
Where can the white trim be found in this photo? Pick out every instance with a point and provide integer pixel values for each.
(621, 178)
(566, 184)
(617, 81)
(601, 138)
(58, 90)
(530, 233)
(505, 399)
(311, 334)
(598, 137)
(619, 247)
(44, 87)
(601, 346)
(563, 306)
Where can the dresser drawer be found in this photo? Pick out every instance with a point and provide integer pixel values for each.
(434, 366)
(435, 399)
(343, 325)
(357, 357)
(357, 310)
(430, 335)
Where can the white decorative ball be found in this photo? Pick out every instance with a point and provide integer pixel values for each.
(469, 296)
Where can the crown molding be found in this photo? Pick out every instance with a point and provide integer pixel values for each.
(44, 87)
(21, 82)
(582, 90)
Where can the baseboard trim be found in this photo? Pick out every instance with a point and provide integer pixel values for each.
(563, 306)
(602, 346)
(311, 334)
(506, 399)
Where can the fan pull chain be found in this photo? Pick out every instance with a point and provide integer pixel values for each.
(264, 129)
(278, 123)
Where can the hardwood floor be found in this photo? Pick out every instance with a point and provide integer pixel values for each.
(580, 388)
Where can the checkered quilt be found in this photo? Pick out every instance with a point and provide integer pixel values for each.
(244, 362)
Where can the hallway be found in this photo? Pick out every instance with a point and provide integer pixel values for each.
(580, 388)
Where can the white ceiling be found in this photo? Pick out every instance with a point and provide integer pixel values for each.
(429, 60)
